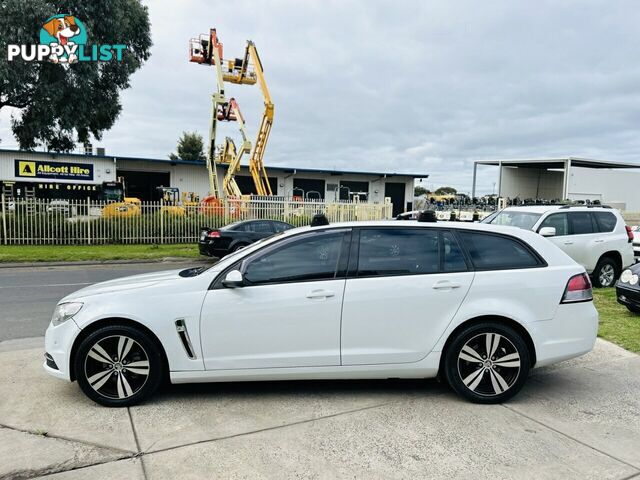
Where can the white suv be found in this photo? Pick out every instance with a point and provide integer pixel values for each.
(595, 237)
(351, 300)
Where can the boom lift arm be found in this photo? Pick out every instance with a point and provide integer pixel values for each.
(230, 186)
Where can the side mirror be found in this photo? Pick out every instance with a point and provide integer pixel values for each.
(548, 231)
(233, 279)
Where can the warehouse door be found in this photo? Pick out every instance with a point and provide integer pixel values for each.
(143, 185)
(395, 191)
(308, 188)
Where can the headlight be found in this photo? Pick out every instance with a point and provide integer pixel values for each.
(633, 280)
(64, 312)
(626, 276)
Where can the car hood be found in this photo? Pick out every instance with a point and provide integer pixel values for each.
(126, 283)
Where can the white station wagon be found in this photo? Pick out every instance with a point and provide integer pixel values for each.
(476, 305)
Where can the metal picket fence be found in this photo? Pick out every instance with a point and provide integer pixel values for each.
(67, 222)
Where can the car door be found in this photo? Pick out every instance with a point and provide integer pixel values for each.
(588, 244)
(562, 238)
(404, 287)
(288, 312)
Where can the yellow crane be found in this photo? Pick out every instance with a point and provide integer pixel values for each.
(230, 155)
(243, 71)
(240, 72)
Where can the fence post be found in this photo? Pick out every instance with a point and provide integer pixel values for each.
(4, 221)
(88, 221)
(161, 221)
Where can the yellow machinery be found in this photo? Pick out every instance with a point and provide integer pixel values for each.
(121, 205)
(248, 70)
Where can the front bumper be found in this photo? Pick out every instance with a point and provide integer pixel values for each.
(58, 342)
(571, 333)
(628, 296)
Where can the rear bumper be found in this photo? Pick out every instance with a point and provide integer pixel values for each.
(629, 297)
(571, 333)
(210, 250)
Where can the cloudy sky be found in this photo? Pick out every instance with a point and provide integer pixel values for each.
(400, 86)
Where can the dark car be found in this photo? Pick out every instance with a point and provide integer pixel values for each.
(218, 242)
(628, 288)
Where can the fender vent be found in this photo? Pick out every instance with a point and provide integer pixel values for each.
(181, 328)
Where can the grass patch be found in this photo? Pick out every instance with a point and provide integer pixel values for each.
(76, 253)
(617, 324)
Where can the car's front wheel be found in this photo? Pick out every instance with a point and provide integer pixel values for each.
(487, 363)
(118, 366)
(633, 309)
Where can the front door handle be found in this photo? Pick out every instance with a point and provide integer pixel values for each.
(568, 243)
(320, 294)
(598, 241)
(445, 285)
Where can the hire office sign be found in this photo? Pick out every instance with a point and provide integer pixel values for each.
(53, 170)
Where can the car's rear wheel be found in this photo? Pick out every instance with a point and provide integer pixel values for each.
(237, 247)
(118, 366)
(606, 273)
(487, 363)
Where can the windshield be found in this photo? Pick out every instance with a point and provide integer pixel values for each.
(508, 218)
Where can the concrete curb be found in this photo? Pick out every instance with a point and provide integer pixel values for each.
(105, 262)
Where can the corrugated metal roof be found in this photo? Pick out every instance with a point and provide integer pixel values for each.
(198, 163)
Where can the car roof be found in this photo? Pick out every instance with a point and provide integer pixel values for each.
(554, 208)
(515, 231)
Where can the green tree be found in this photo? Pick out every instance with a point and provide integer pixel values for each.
(446, 191)
(60, 104)
(419, 191)
(190, 147)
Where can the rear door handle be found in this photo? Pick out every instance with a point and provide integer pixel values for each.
(445, 285)
(598, 241)
(320, 294)
(568, 243)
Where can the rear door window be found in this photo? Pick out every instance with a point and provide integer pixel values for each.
(498, 252)
(606, 221)
(581, 223)
(452, 256)
(260, 227)
(559, 221)
(398, 251)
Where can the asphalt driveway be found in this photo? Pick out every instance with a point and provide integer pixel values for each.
(579, 419)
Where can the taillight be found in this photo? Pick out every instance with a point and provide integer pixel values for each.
(578, 289)
(213, 234)
(629, 233)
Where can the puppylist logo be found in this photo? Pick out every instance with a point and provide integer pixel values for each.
(63, 39)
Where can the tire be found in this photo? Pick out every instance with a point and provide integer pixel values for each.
(478, 379)
(606, 273)
(635, 310)
(237, 247)
(114, 383)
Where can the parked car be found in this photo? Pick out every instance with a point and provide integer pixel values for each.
(218, 242)
(595, 237)
(628, 288)
(636, 242)
(373, 299)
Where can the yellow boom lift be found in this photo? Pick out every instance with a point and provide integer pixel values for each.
(248, 70)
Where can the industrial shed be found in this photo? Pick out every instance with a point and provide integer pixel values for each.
(572, 178)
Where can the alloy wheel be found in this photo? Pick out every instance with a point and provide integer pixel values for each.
(117, 367)
(607, 275)
(489, 364)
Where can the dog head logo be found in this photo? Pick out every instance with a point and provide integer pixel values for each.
(63, 32)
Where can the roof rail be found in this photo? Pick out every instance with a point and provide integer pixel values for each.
(585, 206)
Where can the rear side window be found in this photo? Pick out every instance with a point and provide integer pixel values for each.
(260, 227)
(581, 223)
(281, 226)
(497, 252)
(606, 221)
(398, 252)
(559, 221)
